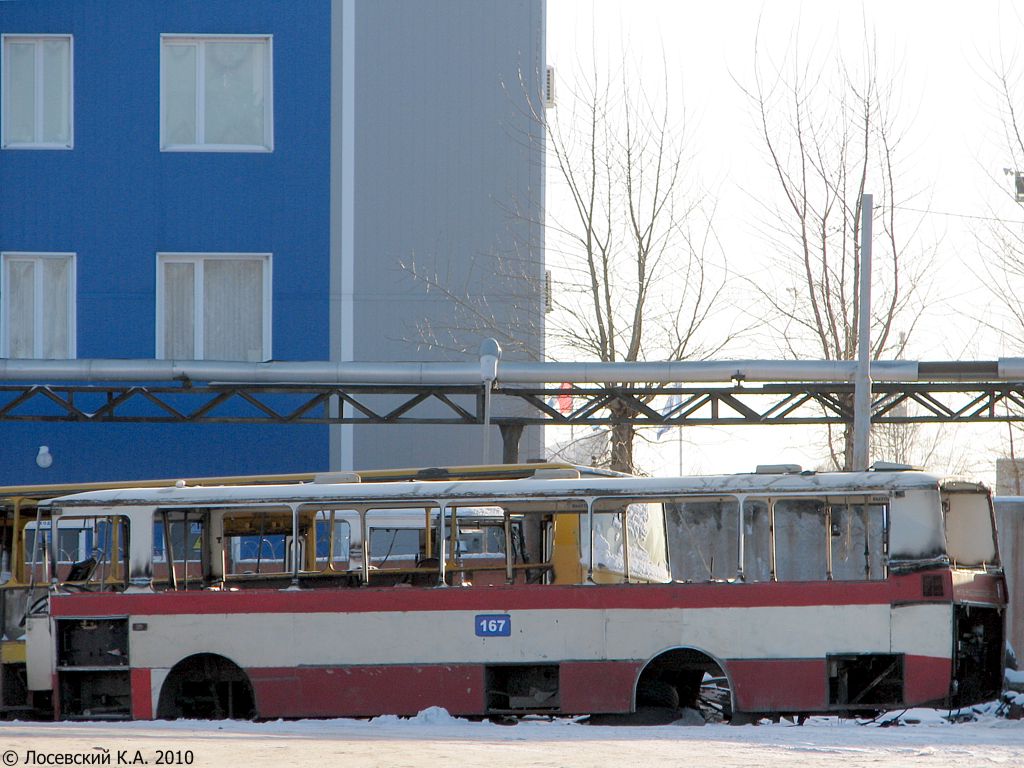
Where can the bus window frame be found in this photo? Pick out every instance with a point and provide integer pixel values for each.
(947, 494)
(117, 558)
(868, 498)
(331, 519)
(234, 540)
(626, 501)
(723, 498)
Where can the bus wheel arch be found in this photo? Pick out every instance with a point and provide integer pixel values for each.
(700, 682)
(206, 686)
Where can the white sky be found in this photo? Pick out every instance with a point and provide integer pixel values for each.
(941, 54)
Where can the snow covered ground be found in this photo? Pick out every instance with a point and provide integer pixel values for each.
(435, 738)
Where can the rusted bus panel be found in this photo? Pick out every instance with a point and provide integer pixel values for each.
(584, 687)
(779, 685)
(771, 685)
(367, 690)
(926, 680)
(800, 685)
(978, 587)
(142, 694)
(597, 686)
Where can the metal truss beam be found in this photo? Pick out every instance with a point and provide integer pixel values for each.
(653, 406)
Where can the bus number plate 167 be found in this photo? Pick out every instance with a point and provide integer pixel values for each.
(493, 625)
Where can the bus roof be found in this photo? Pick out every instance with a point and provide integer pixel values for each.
(489, 471)
(828, 483)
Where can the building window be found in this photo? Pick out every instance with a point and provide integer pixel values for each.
(213, 307)
(216, 94)
(36, 102)
(37, 296)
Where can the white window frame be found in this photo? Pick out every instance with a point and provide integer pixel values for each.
(37, 320)
(268, 101)
(198, 260)
(38, 90)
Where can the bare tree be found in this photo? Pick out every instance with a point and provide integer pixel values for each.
(1001, 245)
(830, 135)
(923, 445)
(501, 296)
(644, 276)
(1004, 246)
(638, 272)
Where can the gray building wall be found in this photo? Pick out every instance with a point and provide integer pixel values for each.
(1010, 528)
(437, 175)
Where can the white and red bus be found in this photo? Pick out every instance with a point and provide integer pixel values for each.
(798, 592)
(32, 554)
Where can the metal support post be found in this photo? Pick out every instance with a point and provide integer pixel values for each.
(862, 382)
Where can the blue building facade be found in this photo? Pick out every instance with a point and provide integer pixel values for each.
(247, 180)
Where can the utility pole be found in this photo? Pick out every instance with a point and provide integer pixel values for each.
(862, 381)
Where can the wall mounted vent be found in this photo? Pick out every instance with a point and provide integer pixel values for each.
(549, 87)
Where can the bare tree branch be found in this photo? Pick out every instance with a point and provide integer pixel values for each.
(828, 131)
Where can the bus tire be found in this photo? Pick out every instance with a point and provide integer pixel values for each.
(206, 686)
(657, 693)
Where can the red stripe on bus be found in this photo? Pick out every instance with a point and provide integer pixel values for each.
(801, 685)
(594, 687)
(496, 598)
(979, 588)
(142, 695)
(770, 685)
(926, 679)
(779, 685)
(365, 691)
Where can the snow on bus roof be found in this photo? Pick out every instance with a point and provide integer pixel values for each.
(805, 482)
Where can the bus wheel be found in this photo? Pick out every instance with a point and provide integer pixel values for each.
(206, 687)
(657, 693)
(690, 682)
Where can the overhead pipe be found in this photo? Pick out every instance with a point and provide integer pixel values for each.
(700, 371)
(505, 372)
(307, 372)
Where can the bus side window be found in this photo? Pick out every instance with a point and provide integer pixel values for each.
(91, 553)
(970, 540)
(74, 542)
(251, 544)
(186, 541)
(800, 540)
(857, 540)
(704, 541)
(179, 538)
(339, 557)
(757, 542)
(395, 547)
